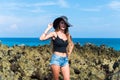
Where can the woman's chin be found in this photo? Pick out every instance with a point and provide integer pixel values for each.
(63, 28)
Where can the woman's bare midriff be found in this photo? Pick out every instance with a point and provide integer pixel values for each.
(60, 54)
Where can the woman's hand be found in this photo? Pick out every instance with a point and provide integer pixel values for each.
(50, 26)
(45, 35)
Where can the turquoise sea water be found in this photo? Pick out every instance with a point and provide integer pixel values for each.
(109, 42)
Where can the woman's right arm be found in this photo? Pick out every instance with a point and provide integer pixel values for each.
(45, 35)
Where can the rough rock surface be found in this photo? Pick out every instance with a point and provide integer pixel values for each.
(87, 62)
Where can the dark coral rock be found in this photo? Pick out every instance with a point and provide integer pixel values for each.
(115, 65)
(76, 71)
(14, 67)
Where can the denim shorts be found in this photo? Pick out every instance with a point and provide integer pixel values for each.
(58, 60)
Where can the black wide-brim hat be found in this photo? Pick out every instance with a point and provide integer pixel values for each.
(57, 21)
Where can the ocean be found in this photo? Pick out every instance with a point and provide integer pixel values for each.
(109, 42)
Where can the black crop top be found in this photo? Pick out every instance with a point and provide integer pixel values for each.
(60, 45)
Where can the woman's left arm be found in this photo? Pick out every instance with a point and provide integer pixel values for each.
(71, 45)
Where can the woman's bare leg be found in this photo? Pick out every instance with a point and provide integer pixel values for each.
(55, 70)
(66, 72)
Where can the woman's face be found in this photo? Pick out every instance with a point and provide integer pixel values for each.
(62, 25)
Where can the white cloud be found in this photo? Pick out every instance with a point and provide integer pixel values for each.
(9, 24)
(115, 5)
(13, 27)
(26, 5)
(32, 7)
(9, 19)
(63, 3)
(43, 4)
(37, 10)
(9, 6)
(10, 28)
(16, 24)
(91, 9)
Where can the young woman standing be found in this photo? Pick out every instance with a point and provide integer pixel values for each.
(62, 46)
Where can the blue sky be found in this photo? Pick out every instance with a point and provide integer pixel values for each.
(90, 18)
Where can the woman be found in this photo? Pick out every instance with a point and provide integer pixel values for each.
(62, 46)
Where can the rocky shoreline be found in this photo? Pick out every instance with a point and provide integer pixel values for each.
(87, 62)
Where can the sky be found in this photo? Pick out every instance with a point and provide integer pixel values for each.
(90, 18)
